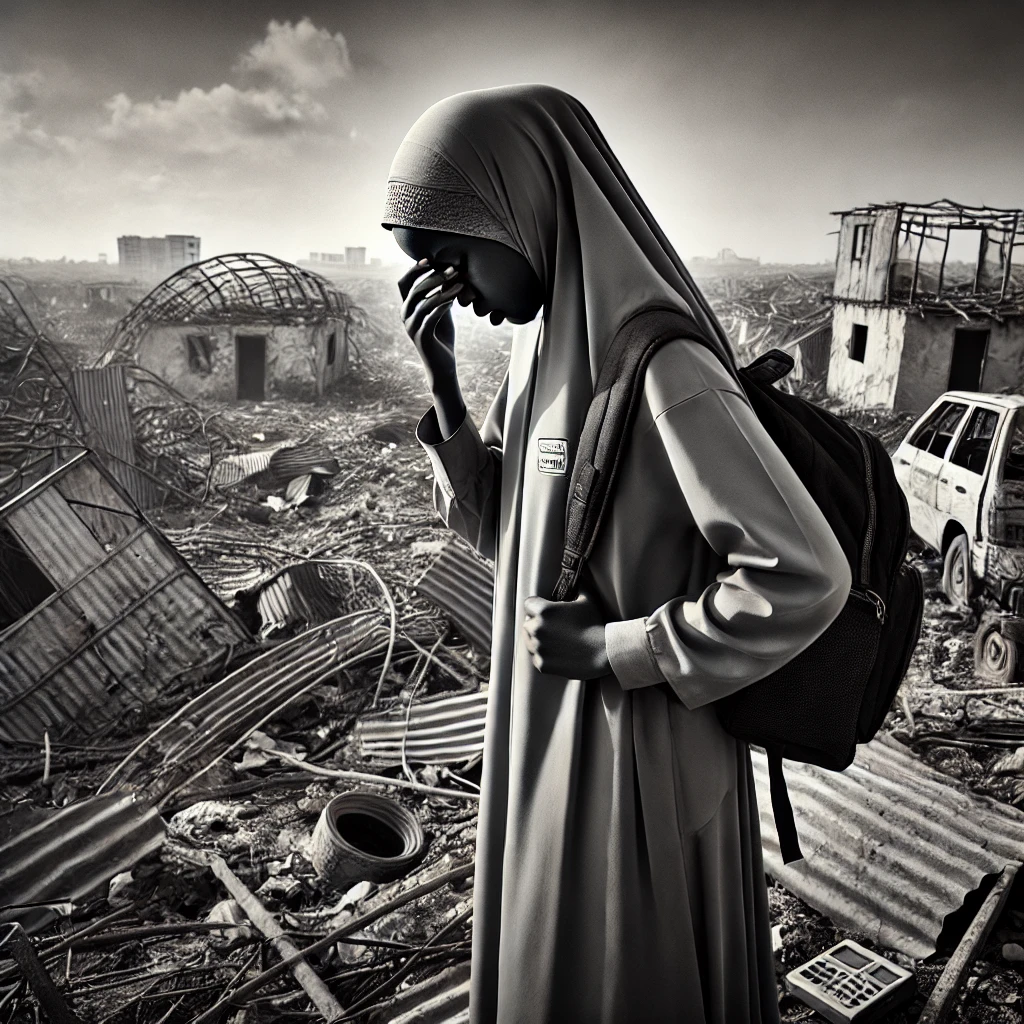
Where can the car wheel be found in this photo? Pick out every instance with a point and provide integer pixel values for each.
(957, 580)
(995, 656)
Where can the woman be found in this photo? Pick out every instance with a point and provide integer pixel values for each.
(618, 874)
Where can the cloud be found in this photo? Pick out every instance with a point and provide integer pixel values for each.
(289, 80)
(20, 132)
(213, 121)
(298, 57)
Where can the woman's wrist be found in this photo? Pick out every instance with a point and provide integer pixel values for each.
(449, 406)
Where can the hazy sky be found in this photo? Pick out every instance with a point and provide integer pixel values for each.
(270, 126)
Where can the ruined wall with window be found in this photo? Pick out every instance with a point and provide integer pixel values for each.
(927, 299)
(227, 362)
(98, 612)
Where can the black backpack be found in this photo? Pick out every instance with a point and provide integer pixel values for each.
(837, 692)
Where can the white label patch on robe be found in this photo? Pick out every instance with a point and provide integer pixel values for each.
(552, 455)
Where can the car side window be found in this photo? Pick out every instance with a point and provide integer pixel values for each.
(935, 434)
(975, 442)
(1013, 466)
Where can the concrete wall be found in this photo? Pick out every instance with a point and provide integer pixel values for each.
(296, 358)
(872, 382)
(865, 278)
(928, 349)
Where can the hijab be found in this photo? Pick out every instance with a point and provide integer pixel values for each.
(527, 166)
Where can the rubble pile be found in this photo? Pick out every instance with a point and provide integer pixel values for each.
(313, 524)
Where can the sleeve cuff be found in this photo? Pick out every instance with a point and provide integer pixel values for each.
(630, 654)
(448, 455)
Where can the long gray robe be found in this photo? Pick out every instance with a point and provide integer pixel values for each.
(619, 875)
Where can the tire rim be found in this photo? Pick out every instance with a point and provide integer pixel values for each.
(996, 653)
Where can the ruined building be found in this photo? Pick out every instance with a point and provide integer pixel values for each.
(245, 326)
(927, 299)
(156, 257)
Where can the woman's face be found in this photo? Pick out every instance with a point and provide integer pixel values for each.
(500, 283)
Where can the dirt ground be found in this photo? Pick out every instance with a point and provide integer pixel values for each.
(259, 815)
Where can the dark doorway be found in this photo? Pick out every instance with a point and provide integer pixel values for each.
(968, 361)
(251, 364)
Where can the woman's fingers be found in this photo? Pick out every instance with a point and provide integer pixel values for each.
(411, 276)
(416, 320)
(433, 318)
(419, 290)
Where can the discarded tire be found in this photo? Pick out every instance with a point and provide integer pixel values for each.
(996, 656)
(365, 837)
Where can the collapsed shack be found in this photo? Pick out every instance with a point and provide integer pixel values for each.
(928, 298)
(98, 613)
(242, 326)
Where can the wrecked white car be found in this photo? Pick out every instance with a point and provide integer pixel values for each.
(962, 468)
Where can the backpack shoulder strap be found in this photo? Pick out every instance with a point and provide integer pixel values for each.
(606, 429)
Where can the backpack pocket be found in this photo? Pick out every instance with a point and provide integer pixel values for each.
(896, 643)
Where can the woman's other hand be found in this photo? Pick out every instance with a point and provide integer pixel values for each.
(427, 297)
(566, 638)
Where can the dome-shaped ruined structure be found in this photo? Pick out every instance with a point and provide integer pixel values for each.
(244, 325)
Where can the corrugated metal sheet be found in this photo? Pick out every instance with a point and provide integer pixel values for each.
(56, 538)
(135, 619)
(440, 730)
(462, 585)
(102, 398)
(245, 698)
(235, 468)
(66, 854)
(891, 846)
(298, 460)
(283, 461)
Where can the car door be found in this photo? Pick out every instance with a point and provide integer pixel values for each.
(964, 471)
(933, 439)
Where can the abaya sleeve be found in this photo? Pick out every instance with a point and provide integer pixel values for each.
(787, 576)
(467, 472)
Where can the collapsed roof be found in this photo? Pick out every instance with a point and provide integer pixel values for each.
(237, 288)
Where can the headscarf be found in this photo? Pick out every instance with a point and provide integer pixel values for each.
(527, 166)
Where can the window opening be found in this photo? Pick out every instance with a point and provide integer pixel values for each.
(201, 348)
(860, 241)
(975, 442)
(858, 342)
(23, 585)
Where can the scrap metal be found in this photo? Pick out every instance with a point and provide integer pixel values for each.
(443, 730)
(69, 853)
(461, 584)
(892, 847)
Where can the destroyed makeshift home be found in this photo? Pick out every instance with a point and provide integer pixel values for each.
(98, 613)
(927, 299)
(241, 326)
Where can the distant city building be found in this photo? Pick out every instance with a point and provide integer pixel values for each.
(160, 256)
(353, 256)
(102, 257)
(726, 260)
(375, 261)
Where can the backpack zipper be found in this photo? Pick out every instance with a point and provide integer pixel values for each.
(869, 534)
